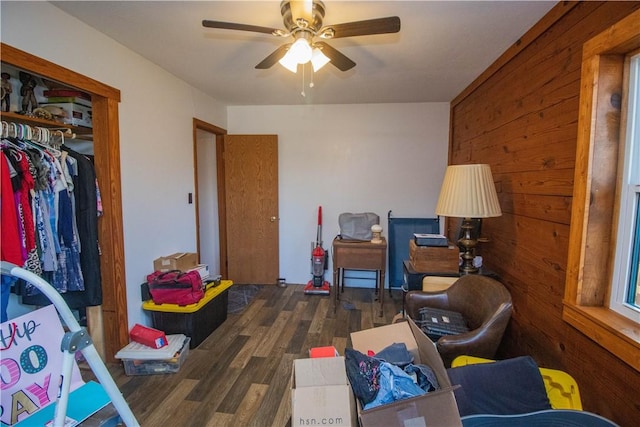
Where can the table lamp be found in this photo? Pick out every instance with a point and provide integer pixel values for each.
(468, 192)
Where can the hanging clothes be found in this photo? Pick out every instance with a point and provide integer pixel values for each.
(9, 238)
(86, 205)
(55, 197)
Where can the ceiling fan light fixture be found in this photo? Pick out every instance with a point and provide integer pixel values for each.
(318, 59)
(289, 62)
(301, 51)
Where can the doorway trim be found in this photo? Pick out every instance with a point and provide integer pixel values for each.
(222, 217)
(108, 321)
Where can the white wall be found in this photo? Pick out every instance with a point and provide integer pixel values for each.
(156, 113)
(348, 158)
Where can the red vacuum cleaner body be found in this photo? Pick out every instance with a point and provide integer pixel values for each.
(317, 285)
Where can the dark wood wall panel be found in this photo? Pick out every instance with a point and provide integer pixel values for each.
(522, 120)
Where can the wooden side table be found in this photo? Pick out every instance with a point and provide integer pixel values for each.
(350, 255)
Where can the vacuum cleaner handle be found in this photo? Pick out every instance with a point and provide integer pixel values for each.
(319, 235)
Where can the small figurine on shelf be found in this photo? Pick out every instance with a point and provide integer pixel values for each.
(6, 92)
(376, 230)
(29, 83)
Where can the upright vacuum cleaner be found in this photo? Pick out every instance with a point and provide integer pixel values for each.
(317, 285)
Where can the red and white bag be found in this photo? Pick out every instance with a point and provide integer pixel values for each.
(175, 287)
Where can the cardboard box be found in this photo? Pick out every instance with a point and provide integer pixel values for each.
(321, 394)
(203, 270)
(433, 259)
(436, 408)
(182, 261)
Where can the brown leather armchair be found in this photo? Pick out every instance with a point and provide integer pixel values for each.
(484, 303)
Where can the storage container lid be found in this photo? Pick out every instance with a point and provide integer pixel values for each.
(135, 350)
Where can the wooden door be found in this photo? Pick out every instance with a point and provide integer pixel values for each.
(251, 203)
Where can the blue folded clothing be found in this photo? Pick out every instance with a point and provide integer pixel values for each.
(396, 354)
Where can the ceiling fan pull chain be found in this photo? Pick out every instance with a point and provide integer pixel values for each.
(311, 84)
(302, 93)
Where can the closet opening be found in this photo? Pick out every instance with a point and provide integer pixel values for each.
(108, 322)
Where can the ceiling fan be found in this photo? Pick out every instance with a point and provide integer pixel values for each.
(303, 21)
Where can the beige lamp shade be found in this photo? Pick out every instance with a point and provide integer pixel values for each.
(468, 191)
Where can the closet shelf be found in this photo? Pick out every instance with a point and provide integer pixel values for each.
(15, 117)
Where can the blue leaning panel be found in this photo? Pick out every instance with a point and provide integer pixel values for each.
(401, 231)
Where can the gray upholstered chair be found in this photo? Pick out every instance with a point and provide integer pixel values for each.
(484, 303)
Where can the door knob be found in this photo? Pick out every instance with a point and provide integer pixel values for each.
(273, 219)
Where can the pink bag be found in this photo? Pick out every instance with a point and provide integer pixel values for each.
(175, 287)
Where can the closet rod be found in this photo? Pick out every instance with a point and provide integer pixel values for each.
(36, 133)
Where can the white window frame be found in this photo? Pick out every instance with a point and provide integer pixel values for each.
(629, 193)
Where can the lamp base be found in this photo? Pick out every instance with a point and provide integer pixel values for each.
(469, 242)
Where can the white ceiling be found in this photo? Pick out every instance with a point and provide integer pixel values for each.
(441, 48)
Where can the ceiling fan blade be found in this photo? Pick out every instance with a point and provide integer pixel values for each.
(390, 24)
(302, 9)
(243, 27)
(339, 60)
(274, 57)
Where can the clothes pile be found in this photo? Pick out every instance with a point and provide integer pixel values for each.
(387, 376)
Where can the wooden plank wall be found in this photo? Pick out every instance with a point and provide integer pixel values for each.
(521, 117)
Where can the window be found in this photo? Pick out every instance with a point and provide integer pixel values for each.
(602, 264)
(624, 296)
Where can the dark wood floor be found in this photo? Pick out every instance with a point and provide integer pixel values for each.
(240, 375)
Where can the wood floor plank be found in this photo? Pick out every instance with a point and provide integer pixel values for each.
(214, 393)
(250, 404)
(312, 303)
(340, 344)
(279, 298)
(173, 405)
(327, 332)
(289, 329)
(240, 375)
(220, 419)
(342, 323)
(208, 374)
(272, 335)
(294, 299)
(320, 315)
(230, 329)
(299, 337)
(247, 351)
(276, 404)
(366, 314)
(241, 385)
(259, 320)
(311, 340)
